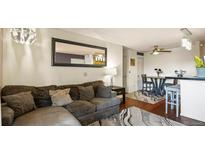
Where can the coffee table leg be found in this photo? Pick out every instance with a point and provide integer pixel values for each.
(123, 96)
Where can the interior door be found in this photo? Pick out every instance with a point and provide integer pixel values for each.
(132, 78)
(130, 70)
(140, 70)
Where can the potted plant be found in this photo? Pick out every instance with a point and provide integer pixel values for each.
(200, 66)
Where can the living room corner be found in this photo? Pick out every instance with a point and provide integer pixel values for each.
(1, 61)
(109, 76)
(31, 70)
(87, 80)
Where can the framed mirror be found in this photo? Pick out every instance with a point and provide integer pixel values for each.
(69, 53)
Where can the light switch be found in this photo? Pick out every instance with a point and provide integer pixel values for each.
(85, 74)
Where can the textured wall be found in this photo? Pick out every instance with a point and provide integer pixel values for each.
(1, 56)
(180, 58)
(31, 64)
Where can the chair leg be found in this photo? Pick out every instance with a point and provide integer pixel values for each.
(177, 104)
(166, 105)
(143, 88)
(172, 100)
(149, 87)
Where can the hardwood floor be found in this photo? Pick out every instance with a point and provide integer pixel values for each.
(159, 109)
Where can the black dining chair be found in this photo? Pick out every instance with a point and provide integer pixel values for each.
(146, 85)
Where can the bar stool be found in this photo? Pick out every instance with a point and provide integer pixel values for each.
(173, 98)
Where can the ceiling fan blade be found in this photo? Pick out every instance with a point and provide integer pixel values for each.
(160, 49)
(165, 51)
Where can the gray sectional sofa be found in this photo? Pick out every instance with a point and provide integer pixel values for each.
(79, 112)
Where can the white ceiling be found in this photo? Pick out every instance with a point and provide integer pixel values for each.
(141, 39)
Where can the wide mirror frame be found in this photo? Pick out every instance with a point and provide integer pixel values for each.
(75, 54)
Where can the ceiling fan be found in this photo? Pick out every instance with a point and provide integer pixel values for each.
(158, 50)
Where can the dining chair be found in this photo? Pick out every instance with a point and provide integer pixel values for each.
(146, 85)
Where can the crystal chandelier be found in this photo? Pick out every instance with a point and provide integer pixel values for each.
(23, 35)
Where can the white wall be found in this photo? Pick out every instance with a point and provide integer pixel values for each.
(179, 58)
(31, 65)
(1, 52)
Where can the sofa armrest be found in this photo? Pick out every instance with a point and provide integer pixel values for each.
(7, 116)
(113, 94)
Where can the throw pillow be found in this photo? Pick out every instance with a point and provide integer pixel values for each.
(43, 101)
(86, 93)
(103, 91)
(21, 102)
(60, 97)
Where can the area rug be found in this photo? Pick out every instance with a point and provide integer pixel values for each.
(134, 116)
(138, 95)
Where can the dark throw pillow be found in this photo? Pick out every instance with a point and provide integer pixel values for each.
(86, 93)
(103, 91)
(43, 101)
(21, 102)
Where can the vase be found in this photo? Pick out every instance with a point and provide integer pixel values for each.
(200, 72)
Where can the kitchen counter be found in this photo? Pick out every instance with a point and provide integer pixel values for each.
(186, 78)
(192, 97)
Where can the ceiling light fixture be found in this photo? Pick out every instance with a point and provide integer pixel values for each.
(186, 40)
(185, 31)
(23, 35)
(155, 53)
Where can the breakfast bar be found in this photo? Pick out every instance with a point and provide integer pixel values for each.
(192, 97)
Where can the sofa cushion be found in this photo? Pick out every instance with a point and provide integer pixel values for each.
(74, 92)
(40, 94)
(43, 91)
(21, 103)
(47, 116)
(94, 84)
(86, 93)
(81, 108)
(60, 97)
(14, 89)
(104, 91)
(102, 103)
(43, 101)
(42, 97)
(7, 116)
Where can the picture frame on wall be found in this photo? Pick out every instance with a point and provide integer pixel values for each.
(132, 61)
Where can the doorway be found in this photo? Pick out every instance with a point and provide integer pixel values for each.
(140, 71)
(130, 70)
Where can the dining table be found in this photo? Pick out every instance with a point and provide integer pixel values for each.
(158, 85)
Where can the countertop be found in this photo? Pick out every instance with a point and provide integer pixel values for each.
(186, 78)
